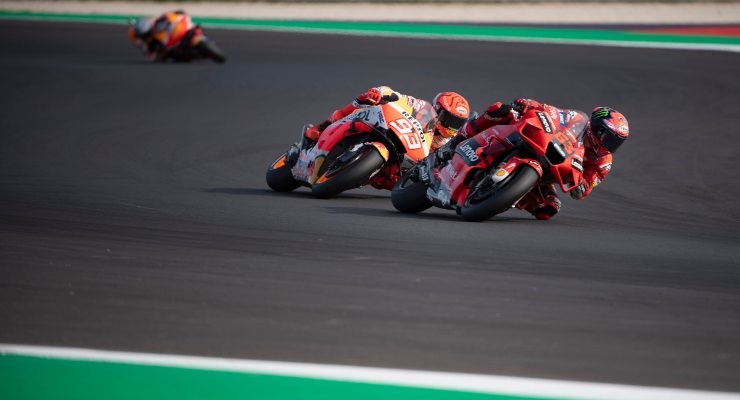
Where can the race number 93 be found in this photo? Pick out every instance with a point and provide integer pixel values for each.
(404, 127)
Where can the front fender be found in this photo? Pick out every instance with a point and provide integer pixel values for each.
(510, 164)
(382, 149)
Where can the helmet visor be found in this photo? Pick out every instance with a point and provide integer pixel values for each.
(610, 140)
(449, 120)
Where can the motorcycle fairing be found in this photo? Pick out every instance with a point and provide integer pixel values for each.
(563, 146)
(407, 127)
(395, 117)
(173, 30)
(510, 164)
(467, 160)
(309, 163)
(570, 140)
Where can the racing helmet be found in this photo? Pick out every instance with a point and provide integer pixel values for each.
(452, 112)
(609, 128)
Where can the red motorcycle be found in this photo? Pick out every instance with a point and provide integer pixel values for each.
(541, 147)
(370, 145)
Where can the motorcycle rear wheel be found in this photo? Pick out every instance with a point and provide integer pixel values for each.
(409, 195)
(487, 200)
(341, 176)
(279, 177)
(210, 50)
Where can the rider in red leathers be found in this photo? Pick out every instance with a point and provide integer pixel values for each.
(606, 130)
(448, 111)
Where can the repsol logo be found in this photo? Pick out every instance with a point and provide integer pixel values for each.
(469, 153)
(545, 123)
(413, 120)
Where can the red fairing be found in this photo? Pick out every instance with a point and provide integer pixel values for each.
(548, 132)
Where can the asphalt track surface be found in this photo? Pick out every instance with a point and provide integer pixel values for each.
(134, 213)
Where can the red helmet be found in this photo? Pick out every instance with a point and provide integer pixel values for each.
(609, 128)
(452, 112)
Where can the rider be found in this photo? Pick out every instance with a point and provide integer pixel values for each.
(606, 130)
(154, 36)
(449, 111)
(443, 118)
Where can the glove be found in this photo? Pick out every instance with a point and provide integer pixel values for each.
(372, 97)
(446, 152)
(498, 110)
(312, 132)
(580, 192)
(524, 105)
(498, 113)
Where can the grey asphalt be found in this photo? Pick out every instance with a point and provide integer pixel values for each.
(134, 214)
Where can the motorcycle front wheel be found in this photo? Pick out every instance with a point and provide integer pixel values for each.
(350, 170)
(279, 177)
(488, 199)
(409, 195)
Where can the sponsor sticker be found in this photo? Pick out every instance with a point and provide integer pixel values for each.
(500, 175)
(414, 122)
(544, 121)
(602, 113)
(577, 165)
(468, 153)
(536, 166)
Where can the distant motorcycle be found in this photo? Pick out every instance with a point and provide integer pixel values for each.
(173, 36)
(386, 140)
(540, 147)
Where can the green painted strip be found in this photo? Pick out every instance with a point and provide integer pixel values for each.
(572, 35)
(37, 378)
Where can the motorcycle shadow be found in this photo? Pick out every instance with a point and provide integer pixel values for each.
(366, 211)
(430, 216)
(295, 193)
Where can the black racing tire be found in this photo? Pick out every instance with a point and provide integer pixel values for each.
(409, 195)
(210, 50)
(279, 177)
(485, 201)
(338, 178)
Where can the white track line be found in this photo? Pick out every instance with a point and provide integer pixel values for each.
(385, 376)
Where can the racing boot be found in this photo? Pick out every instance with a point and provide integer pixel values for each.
(543, 202)
(439, 196)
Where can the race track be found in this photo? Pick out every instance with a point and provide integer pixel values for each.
(134, 213)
